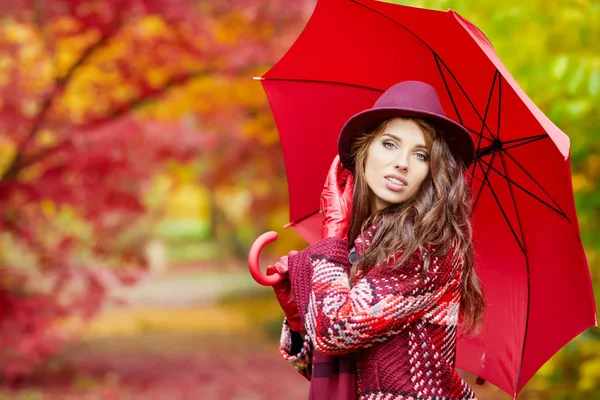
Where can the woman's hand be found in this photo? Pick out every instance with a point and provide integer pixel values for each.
(336, 201)
(284, 294)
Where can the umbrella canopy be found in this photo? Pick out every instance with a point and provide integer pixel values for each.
(529, 254)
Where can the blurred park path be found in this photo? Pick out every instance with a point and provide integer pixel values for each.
(190, 285)
(188, 334)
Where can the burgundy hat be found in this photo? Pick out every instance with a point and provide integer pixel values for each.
(408, 99)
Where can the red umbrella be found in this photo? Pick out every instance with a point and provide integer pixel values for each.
(529, 253)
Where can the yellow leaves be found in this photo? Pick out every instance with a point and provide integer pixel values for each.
(288, 238)
(160, 185)
(48, 208)
(261, 128)
(6, 63)
(235, 203)
(179, 194)
(157, 78)
(77, 104)
(590, 375)
(547, 369)
(134, 322)
(208, 94)
(236, 26)
(99, 83)
(183, 174)
(124, 93)
(230, 27)
(249, 92)
(580, 183)
(7, 152)
(203, 92)
(154, 26)
(593, 257)
(31, 173)
(116, 72)
(18, 33)
(31, 52)
(592, 166)
(189, 201)
(69, 50)
(82, 97)
(30, 58)
(63, 25)
(143, 51)
(46, 138)
(589, 349)
(30, 108)
(13, 254)
(111, 51)
(585, 181)
(589, 370)
(264, 31)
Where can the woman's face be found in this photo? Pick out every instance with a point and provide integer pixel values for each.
(397, 163)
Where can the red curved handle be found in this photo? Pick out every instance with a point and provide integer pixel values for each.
(257, 246)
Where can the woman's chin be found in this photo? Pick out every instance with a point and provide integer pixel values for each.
(386, 201)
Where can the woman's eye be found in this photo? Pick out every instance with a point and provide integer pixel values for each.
(388, 145)
(422, 156)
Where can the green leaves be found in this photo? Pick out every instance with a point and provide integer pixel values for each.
(594, 79)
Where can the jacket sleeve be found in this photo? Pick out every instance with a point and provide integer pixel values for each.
(340, 319)
(296, 350)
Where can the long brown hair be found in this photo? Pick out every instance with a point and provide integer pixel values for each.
(438, 215)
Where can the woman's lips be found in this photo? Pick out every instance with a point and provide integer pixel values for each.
(395, 183)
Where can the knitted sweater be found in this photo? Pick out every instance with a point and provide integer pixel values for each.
(399, 324)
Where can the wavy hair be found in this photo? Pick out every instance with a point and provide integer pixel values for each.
(438, 215)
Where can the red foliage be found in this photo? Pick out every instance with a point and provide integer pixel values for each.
(95, 169)
(66, 197)
(27, 337)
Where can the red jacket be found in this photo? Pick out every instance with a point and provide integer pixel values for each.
(397, 326)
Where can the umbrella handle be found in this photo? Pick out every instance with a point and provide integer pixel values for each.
(257, 246)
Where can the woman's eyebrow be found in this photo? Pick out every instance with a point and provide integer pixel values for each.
(419, 146)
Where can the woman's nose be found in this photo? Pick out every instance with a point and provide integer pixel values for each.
(402, 163)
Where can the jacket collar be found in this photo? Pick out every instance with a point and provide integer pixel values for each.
(363, 240)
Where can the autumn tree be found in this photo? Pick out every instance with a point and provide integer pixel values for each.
(98, 97)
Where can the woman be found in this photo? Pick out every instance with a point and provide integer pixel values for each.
(381, 296)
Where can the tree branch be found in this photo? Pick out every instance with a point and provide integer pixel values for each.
(60, 84)
(111, 117)
(143, 99)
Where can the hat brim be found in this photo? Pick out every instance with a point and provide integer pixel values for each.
(458, 137)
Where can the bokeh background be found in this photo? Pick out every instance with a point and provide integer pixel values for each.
(139, 161)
